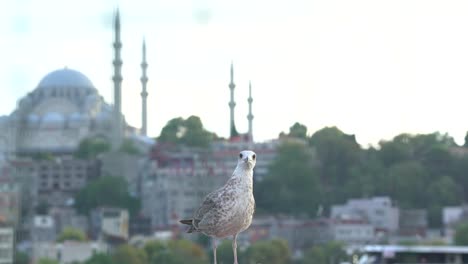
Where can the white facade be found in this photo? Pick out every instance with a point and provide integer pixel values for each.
(6, 245)
(67, 252)
(43, 229)
(379, 211)
(451, 216)
(115, 222)
(353, 232)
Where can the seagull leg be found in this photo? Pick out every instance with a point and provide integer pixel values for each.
(214, 249)
(234, 248)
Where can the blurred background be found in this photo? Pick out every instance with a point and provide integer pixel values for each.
(118, 117)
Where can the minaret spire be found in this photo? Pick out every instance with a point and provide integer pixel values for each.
(117, 78)
(232, 104)
(250, 115)
(144, 93)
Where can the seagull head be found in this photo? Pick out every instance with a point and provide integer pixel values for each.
(247, 159)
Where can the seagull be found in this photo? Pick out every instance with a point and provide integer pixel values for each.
(228, 210)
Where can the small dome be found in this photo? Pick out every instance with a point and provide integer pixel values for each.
(65, 78)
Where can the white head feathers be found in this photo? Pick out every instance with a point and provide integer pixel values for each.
(247, 159)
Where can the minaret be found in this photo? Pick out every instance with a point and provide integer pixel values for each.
(117, 78)
(232, 104)
(144, 93)
(250, 115)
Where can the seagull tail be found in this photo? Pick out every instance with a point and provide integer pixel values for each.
(186, 221)
(190, 223)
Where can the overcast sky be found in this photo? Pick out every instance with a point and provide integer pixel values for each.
(372, 68)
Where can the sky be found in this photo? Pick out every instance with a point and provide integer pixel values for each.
(372, 68)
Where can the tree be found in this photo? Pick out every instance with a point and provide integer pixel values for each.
(444, 192)
(106, 191)
(315, 255)
(99, 258)
(175, 252)
(189, 132)
(408, 184)
(395, 151)
(47, 261)
(430, 149)
(90, 148)
(330, 253)
(298, 130)
(461, 234)
(21, 258)
(272, 252)
(294, 179)
(338, 153)
(70, 233)
(225, 254)
(128, 146)
(127, 254)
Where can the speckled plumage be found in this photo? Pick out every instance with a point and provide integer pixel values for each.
(228, 210)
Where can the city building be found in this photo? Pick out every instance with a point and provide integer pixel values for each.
(451, 217)
(43, 229)
(7, 243)
(68, 251)
(68, 217)
(353, 232)
(378, 211)
(176, 183)
(57, 180)
(110, 224)
(413, 223)
(10, 202)
(39, 138)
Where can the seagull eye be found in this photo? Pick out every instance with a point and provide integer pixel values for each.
(240, 155)
(253, 157)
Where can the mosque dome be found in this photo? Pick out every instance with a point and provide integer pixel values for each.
(65, 78)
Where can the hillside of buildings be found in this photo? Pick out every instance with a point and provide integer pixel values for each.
(316, 194)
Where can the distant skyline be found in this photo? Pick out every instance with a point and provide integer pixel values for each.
(372, 68)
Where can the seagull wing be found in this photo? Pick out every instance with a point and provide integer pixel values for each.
(208, 204)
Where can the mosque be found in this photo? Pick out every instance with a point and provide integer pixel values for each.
(65, 108)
